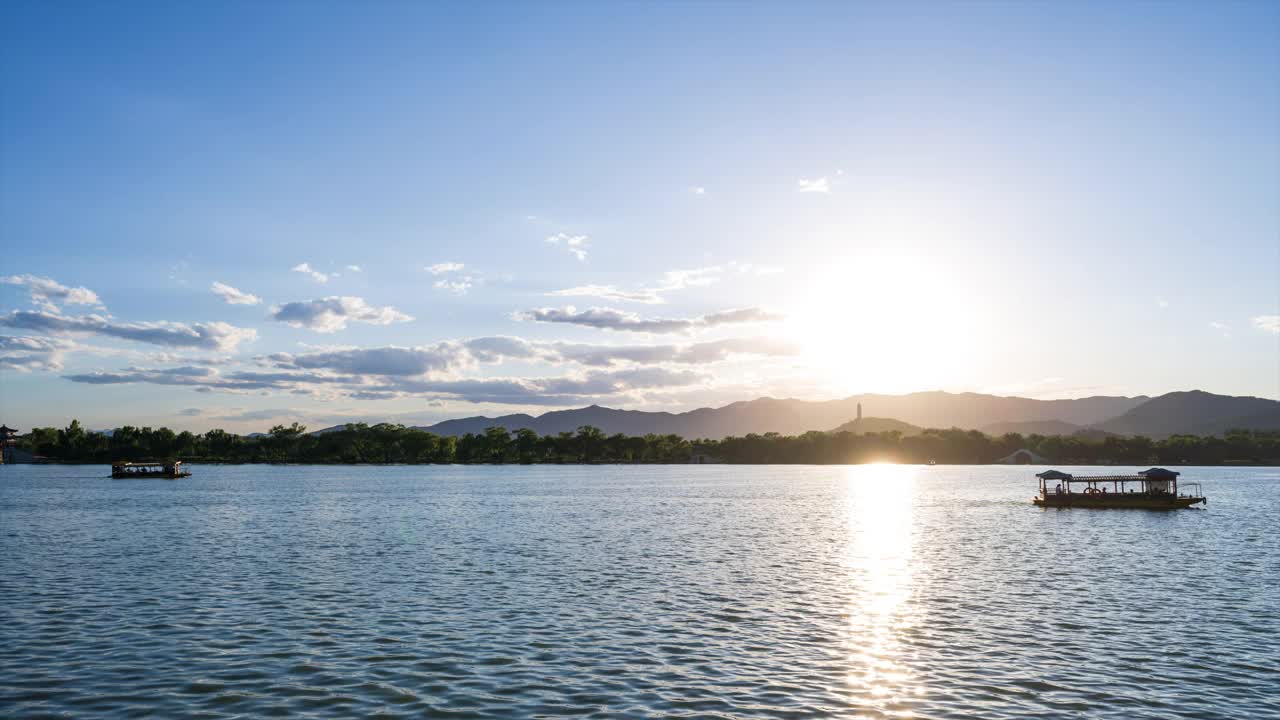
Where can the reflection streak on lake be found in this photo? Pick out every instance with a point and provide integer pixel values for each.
(702, 591)
(878, 504)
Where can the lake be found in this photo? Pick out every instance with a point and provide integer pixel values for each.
(631, 591)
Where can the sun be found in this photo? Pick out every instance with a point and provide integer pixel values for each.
(884, 323)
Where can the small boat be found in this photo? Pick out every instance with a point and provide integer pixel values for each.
(140, 470)
(1154, 489)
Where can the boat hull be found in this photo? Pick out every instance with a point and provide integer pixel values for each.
(149, 476)
(1139, 502)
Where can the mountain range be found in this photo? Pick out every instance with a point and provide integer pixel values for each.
(1192, 412)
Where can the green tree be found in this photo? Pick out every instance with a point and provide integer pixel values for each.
(526, 445)
(590, 444)
(496, 444)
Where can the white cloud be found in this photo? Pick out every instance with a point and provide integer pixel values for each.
(671, 280)
(611, 319)
(444, 357)
(697, 277)
(576, 244)
(459, 285)
(47, 293)
(691, 354)
(1267, 323)
(217, 336)
(200, 379)
(27, 354)
(698, 190)
(234, 296)
(331, 314)
(306, 269)
(1162, 303)
(817, 185)
(1222, 328)
(455, 283)
(355, 268)
(610, 292)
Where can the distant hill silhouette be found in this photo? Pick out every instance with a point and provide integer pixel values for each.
(878, 425)
(326, 431)
(1093, 434)
(793, 417)
(1195, 412)
(1032, 427)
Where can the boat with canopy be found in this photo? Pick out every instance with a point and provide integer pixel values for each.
(139, 470)
(1153, 489)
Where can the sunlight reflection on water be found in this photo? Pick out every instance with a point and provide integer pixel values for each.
(630, 592)
(879, 501)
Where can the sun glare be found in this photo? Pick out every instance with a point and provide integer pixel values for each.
(890, 322)
(879, 501)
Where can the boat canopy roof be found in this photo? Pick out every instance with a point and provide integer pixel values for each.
(157, 463)
(1152, 474)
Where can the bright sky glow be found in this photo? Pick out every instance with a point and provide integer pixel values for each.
(237, 214)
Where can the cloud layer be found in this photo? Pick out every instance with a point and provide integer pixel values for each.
(218, 336)
(331, 314)
(671, 280)
(611, 319)
(435, 372)
(610, 292)
(32, 354)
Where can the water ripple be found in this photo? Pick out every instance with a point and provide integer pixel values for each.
(700, 592)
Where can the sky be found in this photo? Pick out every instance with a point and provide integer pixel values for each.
(242, 214)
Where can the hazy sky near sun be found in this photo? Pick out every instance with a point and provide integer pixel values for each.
(237, 214)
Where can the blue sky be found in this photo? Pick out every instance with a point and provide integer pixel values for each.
(1044, 199)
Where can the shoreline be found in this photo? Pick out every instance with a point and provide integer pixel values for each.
(72, 463)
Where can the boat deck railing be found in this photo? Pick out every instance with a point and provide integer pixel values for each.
(1107, 492)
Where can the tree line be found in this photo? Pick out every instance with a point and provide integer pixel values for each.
(386, 443)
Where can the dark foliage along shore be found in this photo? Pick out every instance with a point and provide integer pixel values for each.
(387, 443)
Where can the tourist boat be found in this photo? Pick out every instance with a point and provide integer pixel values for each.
(1154, 489)
(139, 470)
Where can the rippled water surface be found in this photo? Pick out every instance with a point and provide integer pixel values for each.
(698, 591)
